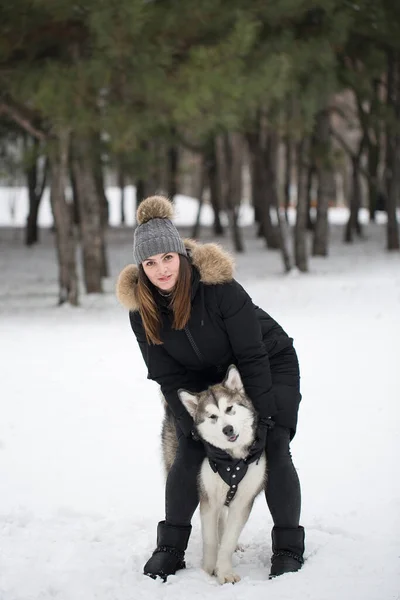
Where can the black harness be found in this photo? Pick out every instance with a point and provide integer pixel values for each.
(232, 473)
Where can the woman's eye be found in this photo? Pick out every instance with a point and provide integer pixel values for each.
(149, 264)
(229, 410)
(168, 257)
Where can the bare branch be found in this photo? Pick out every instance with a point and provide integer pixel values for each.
(25, 122)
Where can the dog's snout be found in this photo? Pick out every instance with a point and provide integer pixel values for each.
(228, 430)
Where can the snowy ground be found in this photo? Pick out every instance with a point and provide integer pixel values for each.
(81, 482)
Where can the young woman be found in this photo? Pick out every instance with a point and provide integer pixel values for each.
(192, 320)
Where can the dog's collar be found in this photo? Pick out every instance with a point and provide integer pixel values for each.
(232, 474)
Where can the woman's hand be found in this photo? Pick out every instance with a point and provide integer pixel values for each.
(260, 442)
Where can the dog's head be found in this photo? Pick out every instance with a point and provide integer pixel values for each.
(223, 415)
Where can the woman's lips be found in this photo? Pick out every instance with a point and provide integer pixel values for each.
(163, 279)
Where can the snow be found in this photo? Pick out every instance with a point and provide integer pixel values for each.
(80, 469)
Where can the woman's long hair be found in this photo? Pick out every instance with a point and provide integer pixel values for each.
(180, 301)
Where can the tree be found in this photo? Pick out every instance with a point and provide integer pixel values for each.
(62, 213)
(300, 237)
(229, 152)
(263, 148)
(36, 169)
(323, 161)
(393, 149)
(366, 67)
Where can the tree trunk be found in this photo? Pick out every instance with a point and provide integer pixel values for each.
(75, 199)
(288, 175)
(373, 164)
(121, 185)
(31, 230)
(390, 102)
(393, 152)
(155, 167)
(229, 153)
(92, 234)
(300, 229)
(321, 228)
(271, 157)
(324, 175)
(310, 177)
(99, 181)
(353, 223)
(145, 181)
(200, 196)
(172, 171)
(370, 127)
(263, 156)
(212, 176)
(100, 187)
(270, 167)
(234, 152)
(140, 191)
(355, 201)
(35, 191)
(64, 235)
(373, 140)
(284, 237)
(257, 175)
(257, 181)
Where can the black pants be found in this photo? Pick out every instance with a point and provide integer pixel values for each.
(282, 491)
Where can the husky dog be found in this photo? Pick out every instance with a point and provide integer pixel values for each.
(224, 417)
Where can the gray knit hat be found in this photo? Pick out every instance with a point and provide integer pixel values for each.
(155, 233)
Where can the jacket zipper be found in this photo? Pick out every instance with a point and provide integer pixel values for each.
(193, 344)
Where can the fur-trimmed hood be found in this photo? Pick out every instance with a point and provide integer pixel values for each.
(214, 264)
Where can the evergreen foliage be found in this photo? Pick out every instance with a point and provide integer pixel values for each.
(139, 79)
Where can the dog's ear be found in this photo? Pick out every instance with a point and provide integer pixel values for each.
(189, 401)
(232, 380)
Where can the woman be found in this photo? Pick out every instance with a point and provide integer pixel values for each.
(192, 320)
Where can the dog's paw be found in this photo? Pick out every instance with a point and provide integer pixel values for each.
(239, 548)
(209, 567)
(227, 577)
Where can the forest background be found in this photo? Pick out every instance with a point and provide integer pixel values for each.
(272, 105)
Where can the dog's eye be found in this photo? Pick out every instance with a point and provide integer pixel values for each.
(229, 410)
(213, 417)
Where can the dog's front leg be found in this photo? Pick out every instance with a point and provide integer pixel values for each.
(209, 525)
(221, 523)
(236, 520)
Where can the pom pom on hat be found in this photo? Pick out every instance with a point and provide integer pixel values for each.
(155, 232)
(154, 207)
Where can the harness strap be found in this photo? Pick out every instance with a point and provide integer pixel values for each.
(232, 474)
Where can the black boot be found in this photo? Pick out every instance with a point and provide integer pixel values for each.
(169, 555)
(287, 549)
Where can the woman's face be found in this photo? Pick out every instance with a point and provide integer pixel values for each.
(162, 270)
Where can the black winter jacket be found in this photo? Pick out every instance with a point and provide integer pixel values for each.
(224, 328)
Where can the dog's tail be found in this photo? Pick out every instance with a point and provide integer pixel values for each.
(169, 440)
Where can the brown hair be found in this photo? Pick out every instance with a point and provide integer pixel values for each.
(180, 301)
